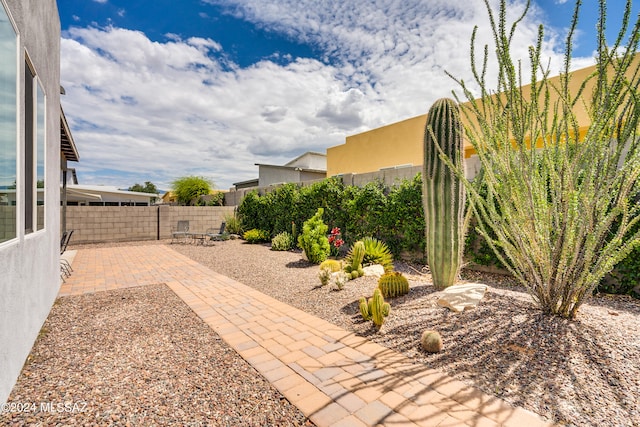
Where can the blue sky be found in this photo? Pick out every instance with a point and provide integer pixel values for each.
(160, 89)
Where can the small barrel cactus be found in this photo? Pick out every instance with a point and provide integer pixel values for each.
(331, 264)
(431, 341)
(393, 284)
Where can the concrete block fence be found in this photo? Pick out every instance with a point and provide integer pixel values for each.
(95, 224)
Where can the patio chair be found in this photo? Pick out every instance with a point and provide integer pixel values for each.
(214, 234)
(181, 232)
(65, 266)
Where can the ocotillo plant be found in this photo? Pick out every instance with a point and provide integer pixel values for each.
(443, 194)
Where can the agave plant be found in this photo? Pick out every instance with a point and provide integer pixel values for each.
(377, 252)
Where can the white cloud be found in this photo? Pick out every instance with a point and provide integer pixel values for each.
(157, 111)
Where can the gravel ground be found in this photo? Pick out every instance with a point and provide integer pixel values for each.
(139, 357)
(581, 373)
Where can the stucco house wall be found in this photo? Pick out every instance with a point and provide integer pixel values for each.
(400, 143)
(30, 276)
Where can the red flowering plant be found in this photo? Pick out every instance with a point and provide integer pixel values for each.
(335, 241)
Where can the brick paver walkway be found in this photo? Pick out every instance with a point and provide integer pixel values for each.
(333, 376)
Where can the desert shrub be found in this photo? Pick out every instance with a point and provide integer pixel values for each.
(313, 240)
(233, 224)
(551, 205)
(256, 235)
(282, 242)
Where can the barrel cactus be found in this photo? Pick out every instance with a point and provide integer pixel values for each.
(431, 341)
(443, 193)
(393, 284)
(332, 264)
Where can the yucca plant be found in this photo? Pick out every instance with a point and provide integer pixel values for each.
(561, 201)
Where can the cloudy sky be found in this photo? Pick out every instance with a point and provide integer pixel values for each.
(158, 89)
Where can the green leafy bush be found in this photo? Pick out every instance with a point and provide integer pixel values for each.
(313, 240)
(256, 235)
(282, 242)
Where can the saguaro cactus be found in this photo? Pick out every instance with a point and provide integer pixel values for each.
(443, 195)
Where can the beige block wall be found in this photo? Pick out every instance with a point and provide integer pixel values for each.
(93, 224)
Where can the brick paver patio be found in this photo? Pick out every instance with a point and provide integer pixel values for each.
(333, 376)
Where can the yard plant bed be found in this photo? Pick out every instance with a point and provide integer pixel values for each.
(582, 373)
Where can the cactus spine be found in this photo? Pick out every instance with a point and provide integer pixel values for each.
(393, 284)
(443, 193)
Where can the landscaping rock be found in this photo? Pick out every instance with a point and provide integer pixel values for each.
(461, 297)
(374, 270)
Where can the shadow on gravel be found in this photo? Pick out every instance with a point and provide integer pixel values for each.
(300, 264)
(510, 349)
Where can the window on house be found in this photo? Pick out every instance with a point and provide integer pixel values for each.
(8, 127)
(40, 156)
(29, 125)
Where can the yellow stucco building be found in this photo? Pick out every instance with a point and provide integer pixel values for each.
(401, 143)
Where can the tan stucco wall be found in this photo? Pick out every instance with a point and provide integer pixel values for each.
(401, 143)
(388, 146)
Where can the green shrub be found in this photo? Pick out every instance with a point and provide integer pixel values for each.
(233, 224)
(313, 240)
(256, 235)
(282, 242)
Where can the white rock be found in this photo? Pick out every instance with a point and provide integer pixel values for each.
(373, 270)
(460, 297)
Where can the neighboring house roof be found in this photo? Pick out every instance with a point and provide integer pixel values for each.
(310, 163)
(310, 160)
(246, 184)
(293, 168)
(67, 145)
(95, 192)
